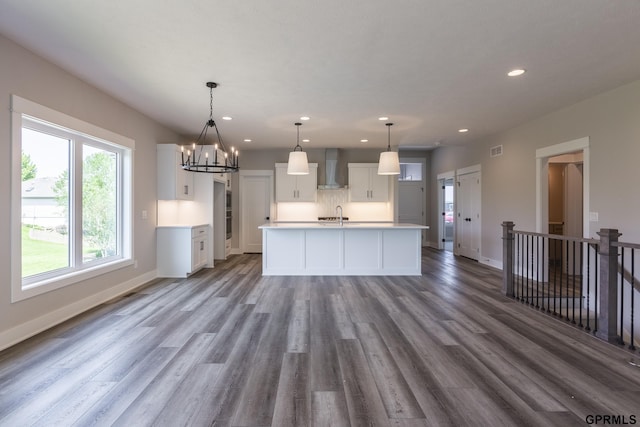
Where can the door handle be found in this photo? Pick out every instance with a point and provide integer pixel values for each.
(266, 218)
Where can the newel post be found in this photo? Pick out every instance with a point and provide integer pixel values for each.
(507, 258)
(608, 300)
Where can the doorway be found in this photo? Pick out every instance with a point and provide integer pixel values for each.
(411, 194)
(565, 206)
(575, 152)
(446, 204)
(256, 201)
(219, 223)
(468, 199)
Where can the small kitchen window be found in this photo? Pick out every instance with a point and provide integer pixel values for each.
(410, 172)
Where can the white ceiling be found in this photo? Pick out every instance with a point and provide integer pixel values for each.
(431, 66)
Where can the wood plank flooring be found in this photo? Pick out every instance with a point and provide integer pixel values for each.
(228, 347)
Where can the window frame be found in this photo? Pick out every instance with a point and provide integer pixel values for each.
(83, 134)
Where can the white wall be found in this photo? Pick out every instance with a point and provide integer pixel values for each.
(610, 120)
(31, 77)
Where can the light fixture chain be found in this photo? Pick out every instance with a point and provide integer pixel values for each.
(211, 103)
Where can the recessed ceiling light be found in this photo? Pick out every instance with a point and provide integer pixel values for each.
(383, 118)
(364, 140)
(226, 118)
(463, 130)
(305, 118)
(516, 72)
(247, 140)
(305, 140)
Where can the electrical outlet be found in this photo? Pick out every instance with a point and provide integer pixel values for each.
(593, 216)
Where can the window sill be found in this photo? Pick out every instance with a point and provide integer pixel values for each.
(21, 292)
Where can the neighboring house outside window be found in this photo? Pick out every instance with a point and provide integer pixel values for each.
(71, 200)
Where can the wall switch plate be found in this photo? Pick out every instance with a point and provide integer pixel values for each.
(593, 216)
(144, 214)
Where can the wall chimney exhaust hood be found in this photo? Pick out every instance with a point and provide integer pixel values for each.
(330, 169)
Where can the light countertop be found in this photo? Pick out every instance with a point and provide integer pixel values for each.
(335, 224)
(182, 226)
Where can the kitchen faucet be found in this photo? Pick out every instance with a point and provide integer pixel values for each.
(339, 208)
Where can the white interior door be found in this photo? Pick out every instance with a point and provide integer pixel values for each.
(255, 200)
(468, 215)
(411, 202)
(411, 193)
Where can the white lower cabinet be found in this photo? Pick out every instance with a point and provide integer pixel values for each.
(182, 250)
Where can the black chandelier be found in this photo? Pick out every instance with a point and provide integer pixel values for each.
(197, 158)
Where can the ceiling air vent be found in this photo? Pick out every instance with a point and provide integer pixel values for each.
(496, 151)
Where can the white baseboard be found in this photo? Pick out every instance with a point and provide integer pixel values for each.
(490, 262)
(236, 251)
(28, 329)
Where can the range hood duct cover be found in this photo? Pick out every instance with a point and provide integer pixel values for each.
(330, 169)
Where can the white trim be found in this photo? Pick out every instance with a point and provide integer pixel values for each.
(23, 109)
(542, 180)
(490, 262)
(563, 148)
(55, 118)
(469, 169)
(28, 329)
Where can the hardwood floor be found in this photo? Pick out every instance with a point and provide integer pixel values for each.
(228, 347)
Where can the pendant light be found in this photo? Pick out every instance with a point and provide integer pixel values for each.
(389, 163)
(298, 164)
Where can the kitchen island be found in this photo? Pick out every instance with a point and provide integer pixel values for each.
(331, 249)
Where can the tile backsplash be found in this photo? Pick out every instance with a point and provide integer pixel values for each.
(326, 203)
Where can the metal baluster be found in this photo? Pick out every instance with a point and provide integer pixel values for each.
(581, 280)
(633, 281)
(522, 264)
(545, 272)
(529, 268)
(595, 289)
(518, 285)
(621, 334)
(555, 243)
(537, 271)
(588, 327)
(566, 267)
(573, 292)
(555, 276)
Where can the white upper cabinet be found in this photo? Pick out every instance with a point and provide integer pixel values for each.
(174, 183)
(365, 185)
(296, 188)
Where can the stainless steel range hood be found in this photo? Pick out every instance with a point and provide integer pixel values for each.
(330, 170)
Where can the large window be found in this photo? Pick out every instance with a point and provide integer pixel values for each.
(71, 200)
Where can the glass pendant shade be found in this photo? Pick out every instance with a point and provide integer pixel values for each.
(298, 164)
(389, 163)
